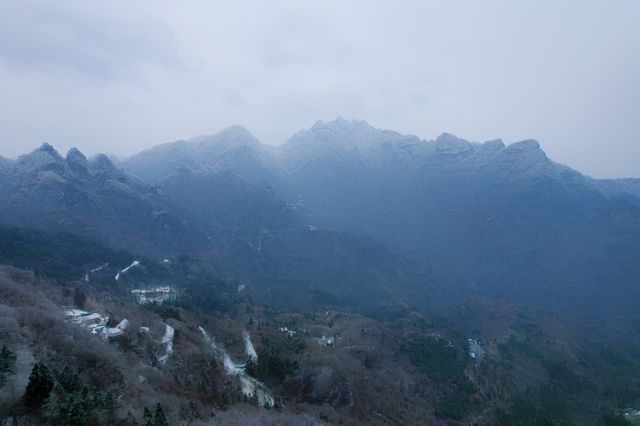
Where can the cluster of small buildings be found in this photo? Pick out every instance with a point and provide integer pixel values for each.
(96, 323)
(326, 341)
(475, 350)
(322, 341)
(157, 295)
(632, 415)
(288, 332)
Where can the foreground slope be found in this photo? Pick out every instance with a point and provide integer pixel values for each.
(203, 354)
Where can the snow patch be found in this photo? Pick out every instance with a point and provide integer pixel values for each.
(125, 270)
(99, 268)
(250, 386)
(167, 340)
(87, 276)
(248, 346)
(118, 330)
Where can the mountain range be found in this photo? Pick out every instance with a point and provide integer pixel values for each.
(349, 276)
(355, 214)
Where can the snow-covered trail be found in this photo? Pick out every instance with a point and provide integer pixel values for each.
(99, 268)
(87, 276)
(125, 270)
(167, 340)
(248, 346)
(250, 386)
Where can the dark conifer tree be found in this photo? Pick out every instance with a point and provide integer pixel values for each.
(39, 386)
(160, 419)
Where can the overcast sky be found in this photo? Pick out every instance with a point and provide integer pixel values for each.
(122, 76)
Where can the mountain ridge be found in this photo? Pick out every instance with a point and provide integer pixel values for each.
(496, 220)
(239, 228)
(470, 212)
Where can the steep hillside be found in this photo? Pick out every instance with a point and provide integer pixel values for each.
(58, 256)
(255, 235)
(621, 187)
(212, 355)
(44, 190)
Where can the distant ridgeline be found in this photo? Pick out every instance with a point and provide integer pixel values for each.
(354, 214)
(482, 218)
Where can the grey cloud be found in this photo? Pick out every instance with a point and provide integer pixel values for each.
(102, 40)
(563, 73)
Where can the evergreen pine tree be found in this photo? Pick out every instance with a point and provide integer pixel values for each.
(7, 362)
(39, 386)
(109, 402)
(129, 420)
(69, 381)
(77, 414)
(79, 298)
(57, 403)
(194, 411)
(160, 419)
(147, 417)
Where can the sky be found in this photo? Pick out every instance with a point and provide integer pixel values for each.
(121, 76)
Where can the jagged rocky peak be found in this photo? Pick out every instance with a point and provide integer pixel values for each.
(527, 154)
(102, 163)
(237, 131)
(447, 138)
(448, 143)
(233, 135)
(529, 148)
(48, 149)
(525, 145)
(45, 156)
(356, 130)
(342, 124)
(338, 133)
(77, 162)
(493, 145)
(75, 156)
